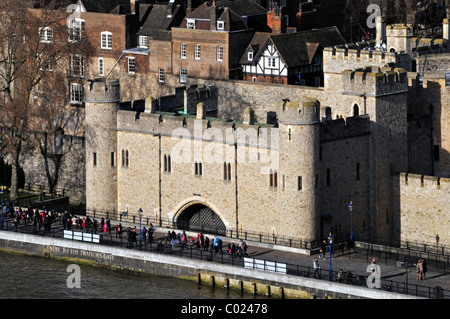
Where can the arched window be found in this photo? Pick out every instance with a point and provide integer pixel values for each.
(355, 110)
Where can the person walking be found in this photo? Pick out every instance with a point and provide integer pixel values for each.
(419, 270)
(151, 230)
(323, 247)
(424, 268)
(316, 268)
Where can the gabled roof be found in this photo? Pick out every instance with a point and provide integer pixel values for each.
(299, 48)
(101, 6)
(202, 15)
(257, 42)
(242, 7)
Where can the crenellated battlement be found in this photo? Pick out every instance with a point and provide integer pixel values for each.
(399, 30)
(375, 81)
(357, 55)
(424, 181)
(307, 112)
(102, 91)
(196, 127)
(350, 127)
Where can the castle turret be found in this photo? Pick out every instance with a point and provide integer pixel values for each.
(298, 166)
(381, 30)
(102, 102)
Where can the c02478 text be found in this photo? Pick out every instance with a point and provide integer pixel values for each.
(229, 308)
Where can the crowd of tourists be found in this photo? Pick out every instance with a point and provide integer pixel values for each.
(214, 245)
(43, 219)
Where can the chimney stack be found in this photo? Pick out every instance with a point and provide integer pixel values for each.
(213, 16)
(134, 7)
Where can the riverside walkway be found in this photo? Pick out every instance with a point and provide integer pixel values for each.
(353, 262)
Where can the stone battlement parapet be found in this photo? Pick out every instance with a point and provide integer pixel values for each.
(196, 127)
(350, 127)
(424, 181)
(307, 112)
(375, 81)
(102, 91)
(354, 56)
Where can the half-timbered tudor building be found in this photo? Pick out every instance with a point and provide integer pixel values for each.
(290, 58)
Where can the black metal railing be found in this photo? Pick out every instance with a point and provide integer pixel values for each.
(158, 245)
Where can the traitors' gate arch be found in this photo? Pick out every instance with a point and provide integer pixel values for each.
(199, 217)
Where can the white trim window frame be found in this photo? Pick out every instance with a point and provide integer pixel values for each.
(161, 78)
(271, 62)
(143, 41)
(183, 74)
(45, 35)
(197, 52)
(183, 51)
(76, 29)
(131, 65)
(106, 40)
(76, 93)
(76, 65)
(219, 53)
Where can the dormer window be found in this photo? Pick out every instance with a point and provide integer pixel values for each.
(250, 56)
(190, 24)
(220, 25)
(143, 41)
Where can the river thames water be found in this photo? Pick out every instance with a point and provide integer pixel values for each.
(28, 277)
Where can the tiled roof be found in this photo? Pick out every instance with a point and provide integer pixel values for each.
(156, 22)
(298, 48)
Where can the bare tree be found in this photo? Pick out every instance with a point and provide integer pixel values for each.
(35, 47)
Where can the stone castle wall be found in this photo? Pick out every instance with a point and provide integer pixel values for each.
(424, 202)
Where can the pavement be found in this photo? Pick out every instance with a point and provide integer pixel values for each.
(355, 263)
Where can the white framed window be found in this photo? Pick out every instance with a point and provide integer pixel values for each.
(250, 56)
(101, 67)
(76, 29)
(161, 78)
(76, 65)
(143, 43)
(197, 52)
(183, 74)
(190, 24)
(76, 93)
(106, 40)
(183, 52)
(45, 34)
(220, 25)
(271, 62)
(219, 53)
(131, 65)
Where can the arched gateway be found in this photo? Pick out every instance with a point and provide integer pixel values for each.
(199, 217)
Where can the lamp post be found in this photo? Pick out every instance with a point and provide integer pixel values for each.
(330, 241)
(350, 207)
(1, 192)
(140, 231)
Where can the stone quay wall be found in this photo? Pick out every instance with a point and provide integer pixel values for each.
(203, 272)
